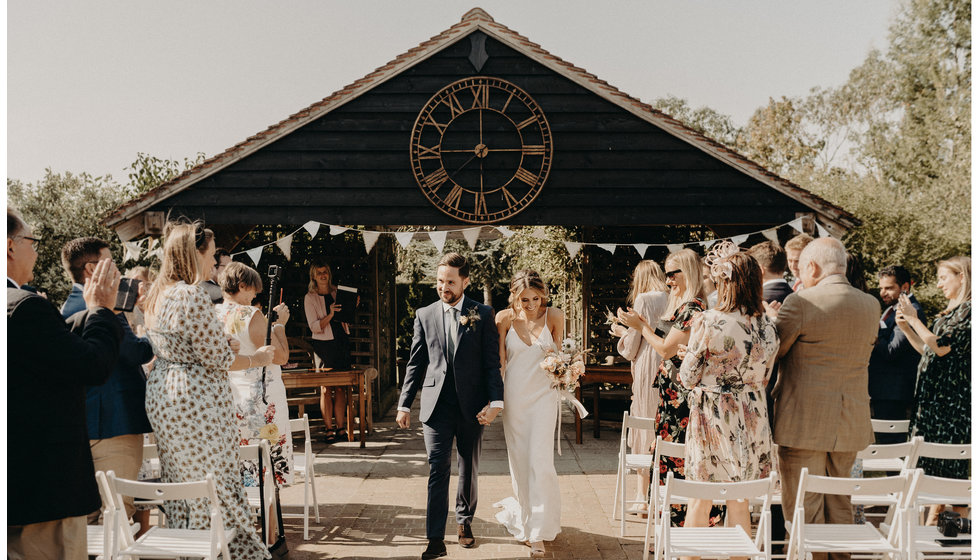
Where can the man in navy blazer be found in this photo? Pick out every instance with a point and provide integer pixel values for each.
(51, 482)
(894, 363)
(115, 412)
(455, 360)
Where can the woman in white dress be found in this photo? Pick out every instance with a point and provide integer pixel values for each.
(260, 412)
(528, 329)
(648, 296)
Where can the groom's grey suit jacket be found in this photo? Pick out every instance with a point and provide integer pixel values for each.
(476, 365)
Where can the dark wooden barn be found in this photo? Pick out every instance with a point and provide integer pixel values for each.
(476, 125)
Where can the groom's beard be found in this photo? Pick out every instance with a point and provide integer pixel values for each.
(451, 297)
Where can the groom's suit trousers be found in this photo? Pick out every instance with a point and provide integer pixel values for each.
(446, 424)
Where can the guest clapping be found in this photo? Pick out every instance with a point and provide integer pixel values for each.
(648, 296)
(188, 397)
(728, 360)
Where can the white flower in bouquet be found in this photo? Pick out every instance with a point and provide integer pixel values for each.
(565, 366)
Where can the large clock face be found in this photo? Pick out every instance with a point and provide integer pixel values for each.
(481, 150)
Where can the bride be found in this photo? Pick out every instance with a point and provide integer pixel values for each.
(528, 329)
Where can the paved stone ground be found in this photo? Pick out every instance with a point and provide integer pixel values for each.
(373, 500)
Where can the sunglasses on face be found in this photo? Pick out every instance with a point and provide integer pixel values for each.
(34, 241)
(672, 273)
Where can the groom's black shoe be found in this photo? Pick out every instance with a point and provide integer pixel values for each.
(436, 549)
(466, 539)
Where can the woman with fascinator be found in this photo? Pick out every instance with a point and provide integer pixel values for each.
(726, 367)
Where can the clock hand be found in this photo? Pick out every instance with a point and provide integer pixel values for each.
(462, 166)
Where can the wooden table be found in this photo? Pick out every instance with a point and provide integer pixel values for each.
(596, 375)
(348, 379)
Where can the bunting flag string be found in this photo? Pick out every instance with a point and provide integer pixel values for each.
(471, 235)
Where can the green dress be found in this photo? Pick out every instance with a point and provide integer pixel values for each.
(942, 395)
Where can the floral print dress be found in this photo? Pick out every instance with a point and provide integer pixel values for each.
(728, 362)
(673, 412)
(942, 397)
(188, 401)
(257, 419)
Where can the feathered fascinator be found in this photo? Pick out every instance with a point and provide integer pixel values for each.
(717, 260)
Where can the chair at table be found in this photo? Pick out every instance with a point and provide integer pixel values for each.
(261, 497)
(661, 449)
(714, 542)
(807, 538)
(303, 464)
(160, 542)
(890, 426)
(630, 462)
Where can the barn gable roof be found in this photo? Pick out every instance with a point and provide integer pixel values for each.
(833, 217)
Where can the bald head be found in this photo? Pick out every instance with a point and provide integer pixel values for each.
(822, 258)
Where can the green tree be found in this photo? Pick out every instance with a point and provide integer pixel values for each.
(149, 171)
(717, 126)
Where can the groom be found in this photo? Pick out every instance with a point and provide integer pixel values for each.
(456, 360)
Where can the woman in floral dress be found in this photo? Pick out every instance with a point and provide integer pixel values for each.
(261, 411)
(942, 397)
(726, 367)
(188, 398)
(683, 273)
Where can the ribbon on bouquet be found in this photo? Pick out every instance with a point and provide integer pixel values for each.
(565, 395)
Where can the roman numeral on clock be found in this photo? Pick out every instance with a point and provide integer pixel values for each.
(481, 96)
(536, 150)
(430, 153)
(526, 176)
(455, 107)
(509, 199)
(481, 204)
(435, 179)
(452, 199)
(527, 122)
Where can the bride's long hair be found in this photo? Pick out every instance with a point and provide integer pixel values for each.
(523, 280)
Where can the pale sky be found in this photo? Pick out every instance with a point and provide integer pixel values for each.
(91, 83)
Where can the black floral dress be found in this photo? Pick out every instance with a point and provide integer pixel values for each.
(942, 396)
(673, 412)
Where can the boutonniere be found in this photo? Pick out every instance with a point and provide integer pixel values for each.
(471, 318)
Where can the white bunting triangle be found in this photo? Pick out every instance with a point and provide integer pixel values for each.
(438, 239)
(312, 228)
(539, 233)
(739, 239)
(471, 235)
(572, 247)
(674, 247)
(132, 250)
(404, 238)
(611, 247)
(337, 230)
(255, 254)
(771, 235)
(707, 244)
(285, 245)
(822, 232)
(505, 231)
(641, 248)
(797, 224)
(370, 238)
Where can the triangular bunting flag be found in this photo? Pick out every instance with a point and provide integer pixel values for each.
(132, 250)
(572, 247)
(505, 231)
(285, 245)
(674, 247)
(611, 247)
(370, 238)
(438, 239)
(641, 248)
(471, 235)
(404, 238)
(255, 254)
(771, 235)
(739, 239)
(539, 233)
(337, 230)
(154, 244)
(312, 228)
(797, 224)
(707, 244)
(822, 232)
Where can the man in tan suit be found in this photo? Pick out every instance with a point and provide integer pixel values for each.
(822, 408)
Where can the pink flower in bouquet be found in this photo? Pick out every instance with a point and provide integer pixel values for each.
(550, 363)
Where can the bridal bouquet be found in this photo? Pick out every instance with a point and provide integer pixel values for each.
(564, 366)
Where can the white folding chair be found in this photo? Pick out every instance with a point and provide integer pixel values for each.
(259, 499)
(888, 457)
(661, 449)
(924, 540)
(100, 540)
(807, 538)
(890, 426)
(714, 542)
(956, 451)
(160, 542)
(303, 464)
(152, 455)
(630, 462)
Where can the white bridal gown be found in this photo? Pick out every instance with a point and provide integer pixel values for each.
(530, 415)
